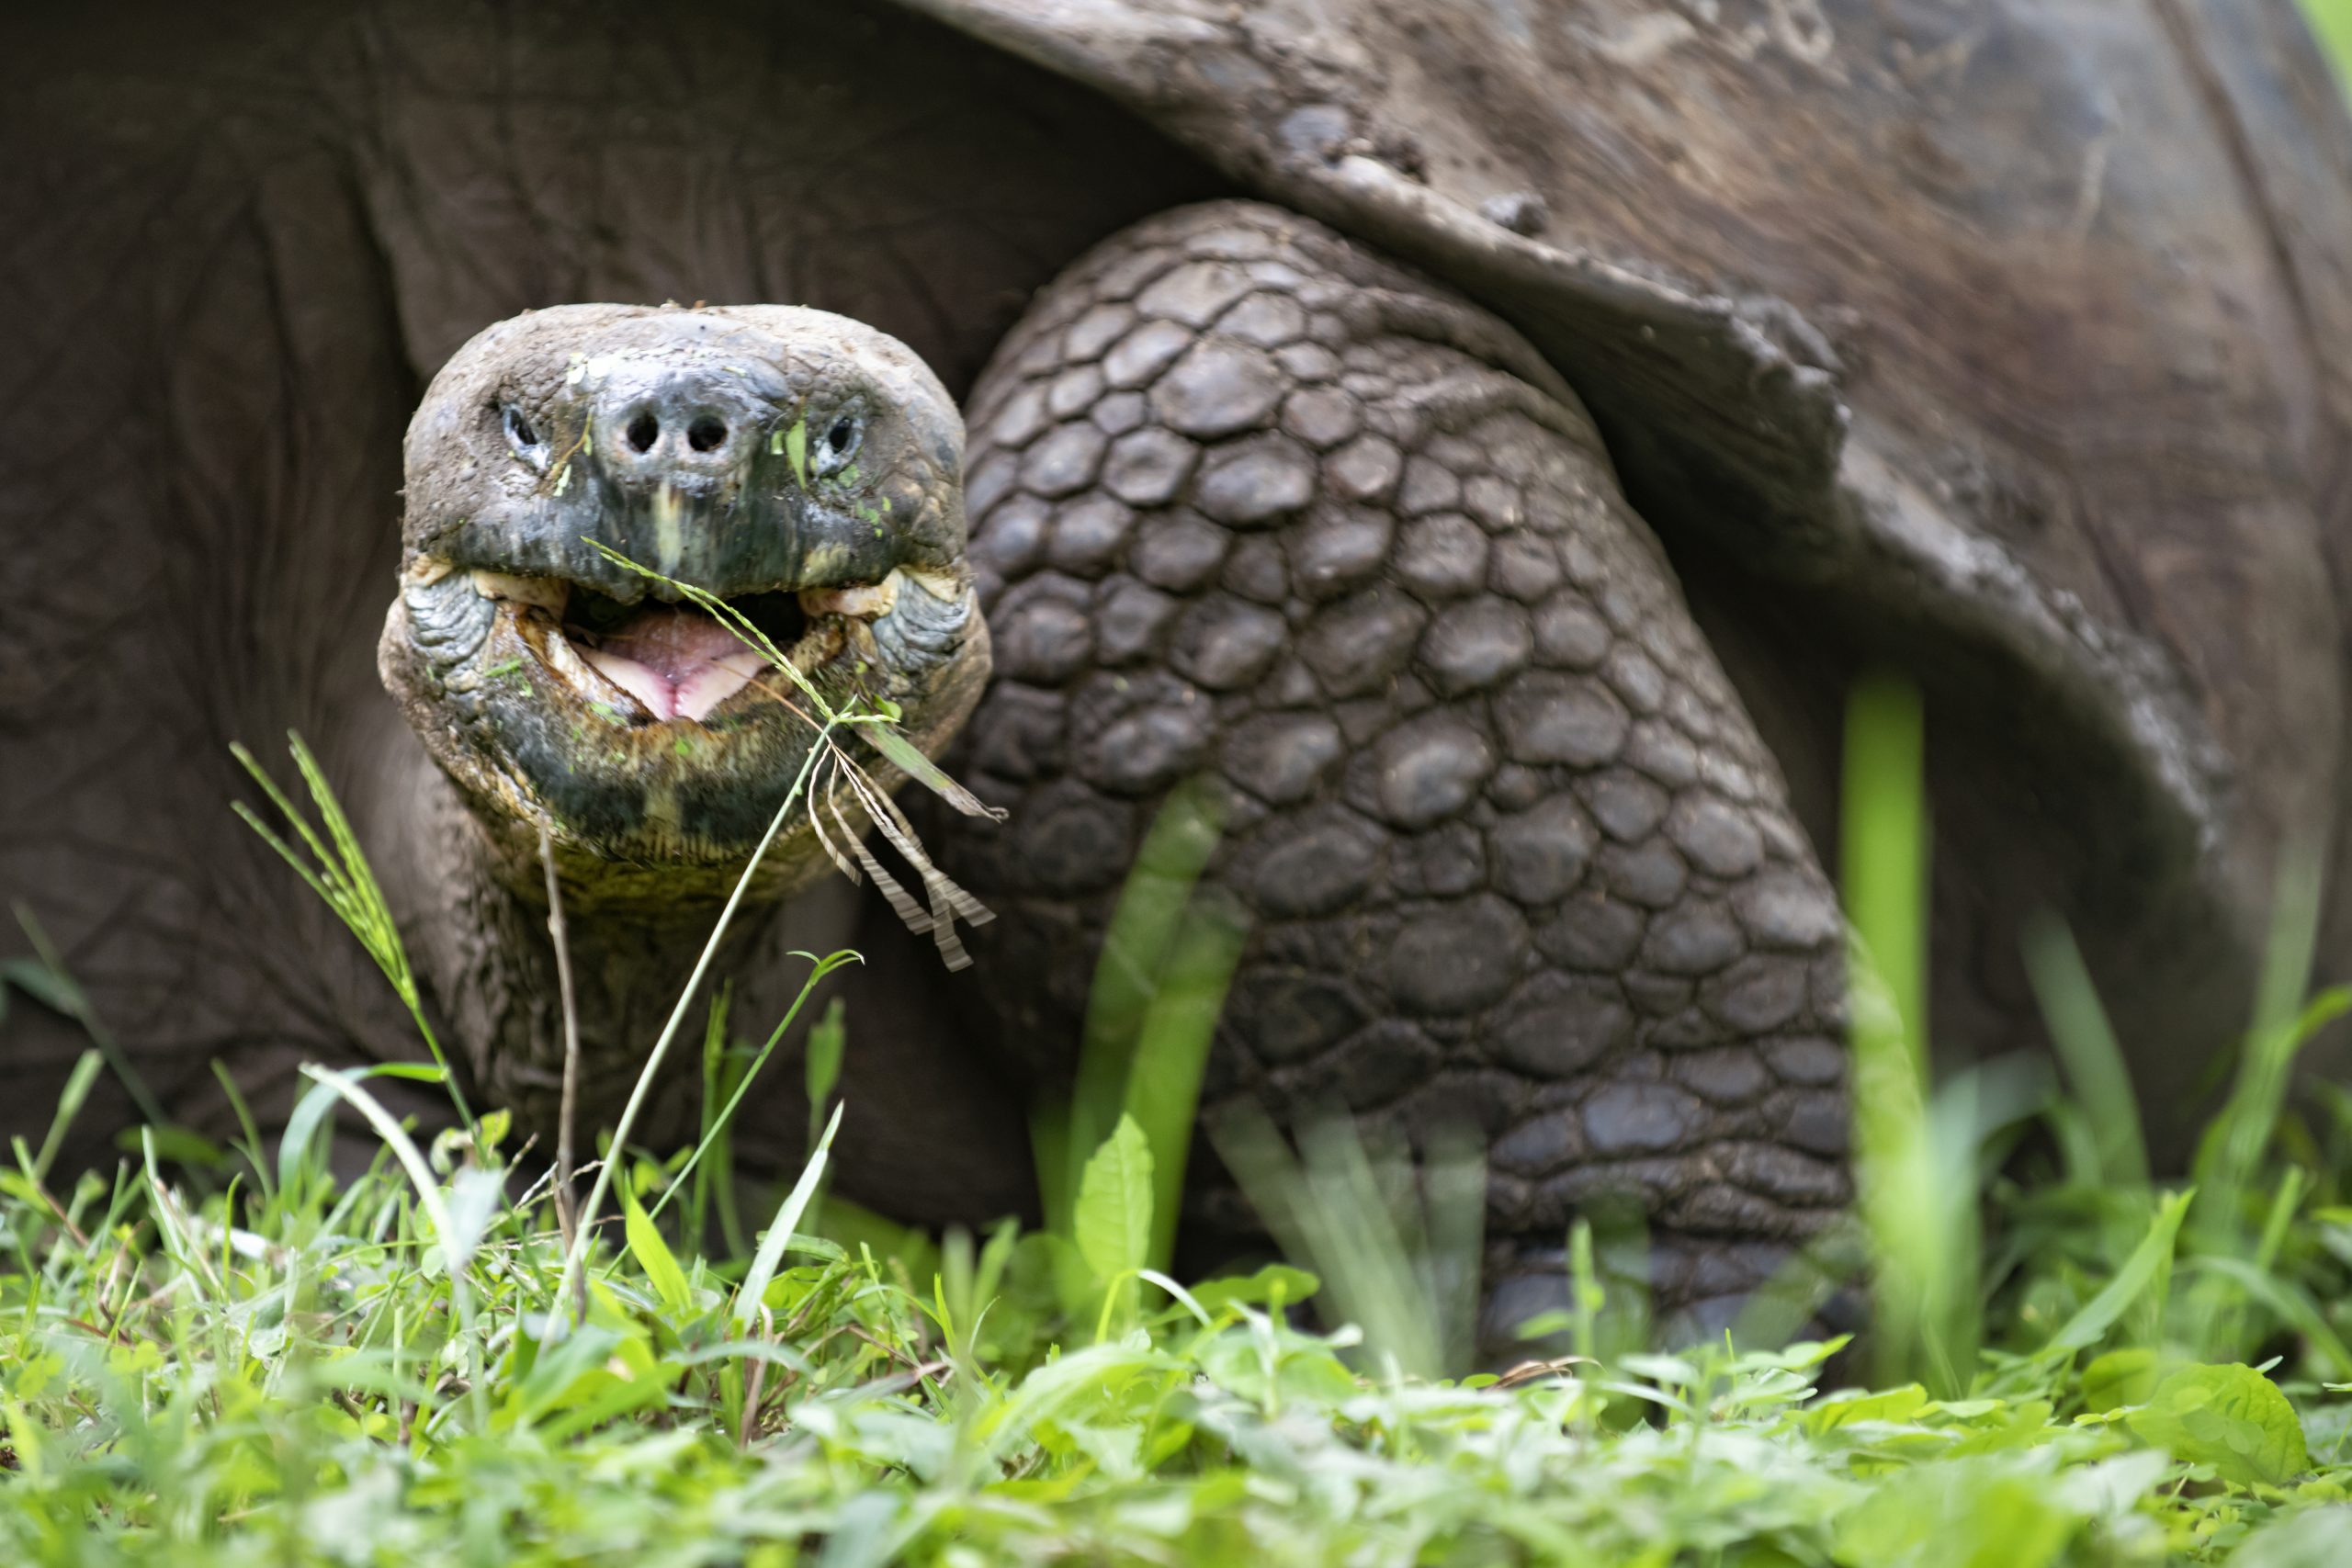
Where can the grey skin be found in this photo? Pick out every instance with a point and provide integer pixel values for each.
(1719, 354)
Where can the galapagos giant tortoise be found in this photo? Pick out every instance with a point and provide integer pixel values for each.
(1480, 439)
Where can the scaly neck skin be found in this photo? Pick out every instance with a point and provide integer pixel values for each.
(486, 962)
(939, 1135)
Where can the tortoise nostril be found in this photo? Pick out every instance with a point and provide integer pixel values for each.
(643, 432)
(705, 432)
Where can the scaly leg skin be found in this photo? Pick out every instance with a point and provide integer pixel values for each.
(1250, 501)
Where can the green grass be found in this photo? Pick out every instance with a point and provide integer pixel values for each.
(238, 1359)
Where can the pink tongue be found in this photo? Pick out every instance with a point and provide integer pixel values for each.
(680, 663)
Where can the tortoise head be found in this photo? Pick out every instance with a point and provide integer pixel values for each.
(609, 511)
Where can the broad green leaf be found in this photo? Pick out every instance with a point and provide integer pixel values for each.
(558, 1370)
(2120, 1378)
(1969, 1513)
(1276, 1284)
(1894, 1404)
(1170, 1053)
(654, 1255)
(1114, 1218)
(2320, 1539)
(1310, 1371)
(2231, 1417)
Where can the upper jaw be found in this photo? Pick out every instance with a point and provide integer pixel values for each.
(748, 535)
(608, 455)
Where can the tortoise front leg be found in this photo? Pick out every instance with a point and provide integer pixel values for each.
(1250, 501)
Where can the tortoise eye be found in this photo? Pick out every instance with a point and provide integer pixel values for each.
(521, 435)
(839, 443)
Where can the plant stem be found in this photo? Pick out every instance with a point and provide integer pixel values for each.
(568, 1114)
(575, 1254)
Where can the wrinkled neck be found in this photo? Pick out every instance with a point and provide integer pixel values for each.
(486, 960)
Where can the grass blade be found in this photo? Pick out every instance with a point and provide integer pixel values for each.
(58, 988)
(771, 1253)
(717, 1132)
(1915, 1174)
(2145, 1267)
(2087, 1047)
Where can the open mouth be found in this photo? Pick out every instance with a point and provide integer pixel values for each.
(678, 660)
(653, 663)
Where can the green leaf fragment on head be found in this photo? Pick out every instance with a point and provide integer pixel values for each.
(795, 447)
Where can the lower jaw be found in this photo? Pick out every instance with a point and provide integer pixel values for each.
(651, 818)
